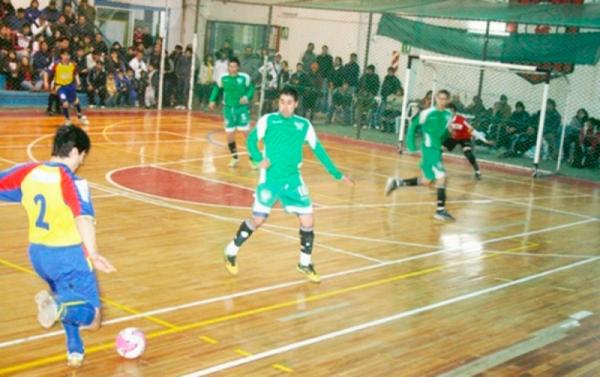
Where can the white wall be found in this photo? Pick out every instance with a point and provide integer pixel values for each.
(346, 32)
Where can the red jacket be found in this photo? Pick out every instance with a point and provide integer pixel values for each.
(460, 129)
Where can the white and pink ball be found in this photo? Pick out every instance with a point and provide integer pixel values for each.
(131, 343)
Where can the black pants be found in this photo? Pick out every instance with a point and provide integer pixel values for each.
(101, 92)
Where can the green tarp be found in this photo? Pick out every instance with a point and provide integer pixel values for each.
(573, 48)
(586, 15)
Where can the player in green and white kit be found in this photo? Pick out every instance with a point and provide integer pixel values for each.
(434, 122)
(283, 135)
(238, 90)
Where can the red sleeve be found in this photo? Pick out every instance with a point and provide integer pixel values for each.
(70, 193)
(11, 180)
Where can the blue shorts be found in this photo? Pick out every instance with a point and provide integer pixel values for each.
(67, 272)
(67, 93)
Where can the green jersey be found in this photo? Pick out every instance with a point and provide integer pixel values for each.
(234, 88)
(434, 124)
(283, 139)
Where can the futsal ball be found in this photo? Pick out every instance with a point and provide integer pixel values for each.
(131, 343)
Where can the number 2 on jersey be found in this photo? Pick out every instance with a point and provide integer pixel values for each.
(40, 223)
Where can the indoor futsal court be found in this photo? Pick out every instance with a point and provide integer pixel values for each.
(509, 289)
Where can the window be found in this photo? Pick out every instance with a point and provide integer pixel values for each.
(478, 27)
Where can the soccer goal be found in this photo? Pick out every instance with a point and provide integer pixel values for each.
(519, 107)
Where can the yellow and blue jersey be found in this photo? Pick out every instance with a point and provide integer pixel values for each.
(64, 74)
(53, 196)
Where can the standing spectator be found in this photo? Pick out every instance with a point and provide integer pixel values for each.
(283, 77)
(42, 27)
(250, 63)
(151, 87)
(80, 61)
(183, 71)
(500, 114)
(391, 85)
(138, 36)
(392, 110)
(337, 75)
(88, 11)
(352, 73)
(573, 131)
(220, 69)
(309, 56)
(6, 8)
(96, 87)
(114, 63)
(138, 65)
(277, 63)
(325, 62)
(51, 13)
(33, 12)
(268, 73)
(552, 125)
(368, 88)
(312, 91)
(298, 82)
(147, 41)
(225, 50)
(205, 80)
(82, 27)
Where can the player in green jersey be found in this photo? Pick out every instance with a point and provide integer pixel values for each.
(434, 123)
(283, 135)
(238, 90)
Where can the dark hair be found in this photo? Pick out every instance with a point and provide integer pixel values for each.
(289, 91)
(519, 104)
(69, 137)
(584, 111)
(444, 91)
(235, 60)
(552, 102)
(64, 52)
(371, 67)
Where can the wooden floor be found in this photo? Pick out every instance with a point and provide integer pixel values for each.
(511, 289)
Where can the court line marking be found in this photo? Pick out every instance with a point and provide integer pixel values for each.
(255, 291)
(246, 313)
(122, 307)
(384, 320)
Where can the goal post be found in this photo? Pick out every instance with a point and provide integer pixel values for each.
(516, 83)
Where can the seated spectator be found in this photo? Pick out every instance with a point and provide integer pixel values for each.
(312, 90)
(552, 126)
(460, 107)
(88, 11)
(6, 39)
(99, 44)
(587, 150)
(476, 107)
(573, 131)
(27, 76)
(16, 21)
(51, 12)
(24, 41)
(96, 87)
(515, 125)
(41, 27)
(115, 63)
(501, 111)
(82, 28)
(392, 110)
(42, 58)
(12, 67)
(341, 104)
(391, 85)
(80, 60)
(33, 12)
(70, 16)
(112, 92)
(521, 143)
(298, 81)
(6, 8)
(337, 75)
(123, 86)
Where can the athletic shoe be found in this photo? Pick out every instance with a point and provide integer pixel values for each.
(478, 175)
(231, 264)
(390, 186)
(92, 106)
(233, 163)
(309, 271)
(47, 309)
(443, 215)
(84, 120)
(75, 359)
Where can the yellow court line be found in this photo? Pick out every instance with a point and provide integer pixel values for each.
(103, 299)
(247, 313)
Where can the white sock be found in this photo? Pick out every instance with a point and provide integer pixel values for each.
(305, 259)
(231, 249)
